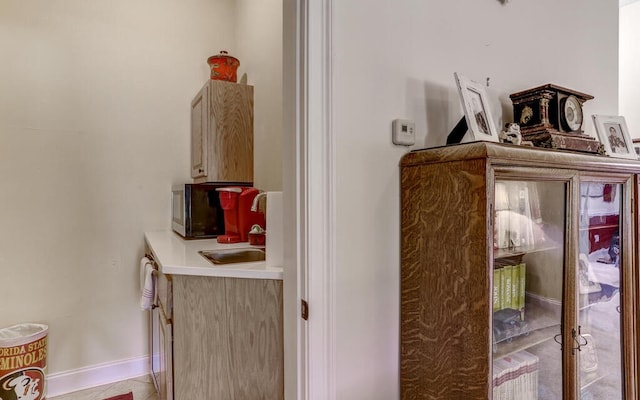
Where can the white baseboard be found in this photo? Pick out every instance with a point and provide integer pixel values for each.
(95, 375)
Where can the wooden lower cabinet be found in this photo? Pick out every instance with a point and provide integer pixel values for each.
(227, 338)
(519, 274)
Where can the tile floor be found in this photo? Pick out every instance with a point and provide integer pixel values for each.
(142, 388)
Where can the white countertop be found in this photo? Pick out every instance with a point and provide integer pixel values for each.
(176, 256)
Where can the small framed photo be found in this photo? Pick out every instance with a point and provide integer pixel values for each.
(475, 104)
(614, 136)
(636, 146)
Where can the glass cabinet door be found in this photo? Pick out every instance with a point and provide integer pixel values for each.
(528, 277)
(598, 286)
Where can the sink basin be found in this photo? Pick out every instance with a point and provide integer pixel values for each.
(232, 256)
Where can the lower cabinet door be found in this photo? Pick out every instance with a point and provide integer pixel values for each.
(165, 354)
(161, 340)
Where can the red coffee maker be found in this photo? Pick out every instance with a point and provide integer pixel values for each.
(238, 217)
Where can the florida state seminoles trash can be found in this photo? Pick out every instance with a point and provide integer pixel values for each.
(23, 362)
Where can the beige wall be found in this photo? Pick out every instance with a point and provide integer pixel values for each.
(259, 44)
(396, 59)
(629, 67)
(94, 129)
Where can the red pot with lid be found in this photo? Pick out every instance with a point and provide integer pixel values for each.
(224, 67)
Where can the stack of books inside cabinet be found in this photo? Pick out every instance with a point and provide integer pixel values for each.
(509, 284)
(515, 377)
(509, 287)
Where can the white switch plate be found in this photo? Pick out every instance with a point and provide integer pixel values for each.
(403, 132)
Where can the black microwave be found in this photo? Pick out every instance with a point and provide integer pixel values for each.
(196, 211)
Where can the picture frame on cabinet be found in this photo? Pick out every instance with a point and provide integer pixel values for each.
(636, 146)
(475, 104)
(614, 135)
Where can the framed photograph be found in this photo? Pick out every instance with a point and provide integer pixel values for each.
(475, 104)
(636, 146)
(614, 136)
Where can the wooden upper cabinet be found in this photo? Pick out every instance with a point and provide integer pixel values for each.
(222, 133)
(518, 274)
(199, 134)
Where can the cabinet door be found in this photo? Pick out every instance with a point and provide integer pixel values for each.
(228, 338)
(154, 347)
(199, 134)
(601, 270)
(165, 342)
(530, 232)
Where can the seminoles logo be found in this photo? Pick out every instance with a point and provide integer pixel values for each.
(24, 384)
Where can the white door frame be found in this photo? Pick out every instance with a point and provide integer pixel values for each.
(309, 200)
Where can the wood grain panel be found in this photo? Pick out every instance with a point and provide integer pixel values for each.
(200, 332)
(445, 347)
(228, 339)
(165, 294)
(254, 309)
(230, 132)
(513, 156)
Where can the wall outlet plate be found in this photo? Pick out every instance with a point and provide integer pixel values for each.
(403, 132)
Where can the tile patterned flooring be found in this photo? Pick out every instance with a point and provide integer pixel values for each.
(142, 388)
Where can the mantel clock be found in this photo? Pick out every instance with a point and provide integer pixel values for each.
(551, 116)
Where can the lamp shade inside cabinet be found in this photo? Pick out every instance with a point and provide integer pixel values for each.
(518, 274)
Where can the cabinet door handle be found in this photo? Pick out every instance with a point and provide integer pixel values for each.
(579, 339)
(558, 339)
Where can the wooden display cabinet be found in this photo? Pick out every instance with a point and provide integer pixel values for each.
(518, 274)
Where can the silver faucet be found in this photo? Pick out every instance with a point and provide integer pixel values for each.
(256, 201)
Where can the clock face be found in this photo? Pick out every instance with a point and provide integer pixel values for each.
(571, 113)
